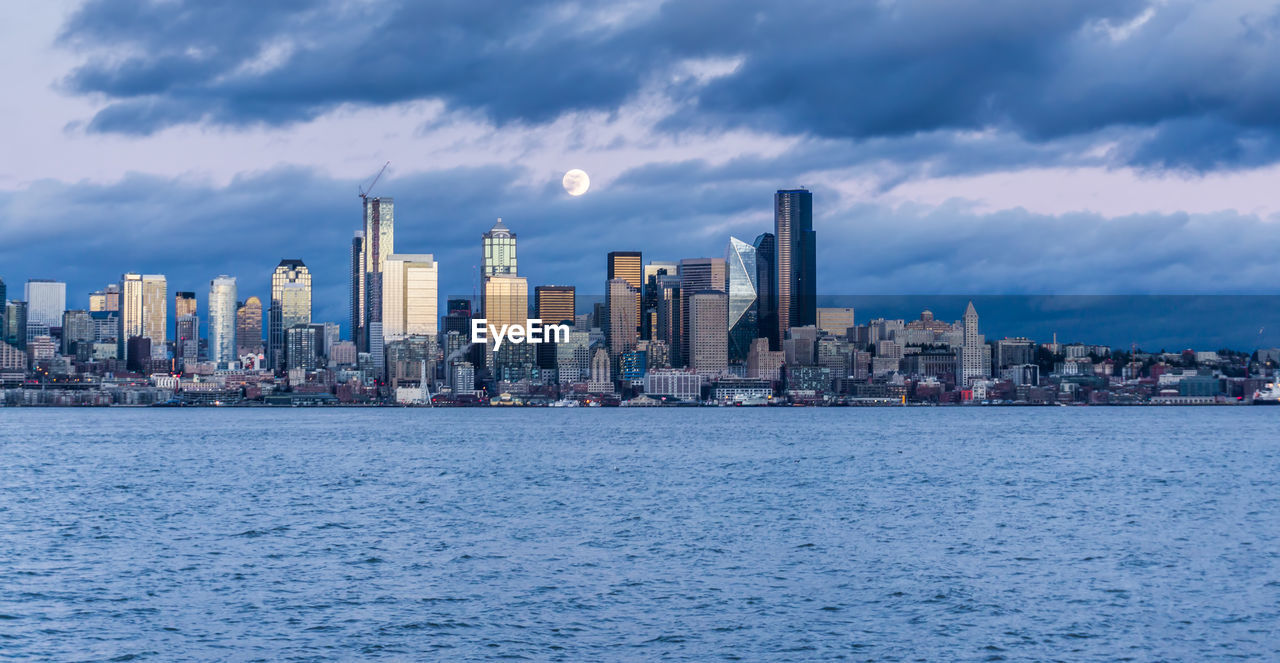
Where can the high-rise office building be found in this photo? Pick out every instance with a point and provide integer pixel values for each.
(649, 296)
(767, 288)
(290, 306)
(458, 318)
(377, 244)
(77, 333)
(506, 300)
(4, 296)
(620, 323)
(186, 342)
(499, 252)
(222, 321)
(696, 275)
(184, 303)
(300, 348)
(973, 363)
(357, 287)
(796, 263)
(15, 324)
(46, 300)
(144, 310)
(629, 266)
(669, 319)
(708, 332)
(554, 304)
(249, 327)
(741, 272)
(835, 321)
(409, 296)
(107, 299)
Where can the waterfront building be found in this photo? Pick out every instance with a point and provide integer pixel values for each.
(222, 321)
(741, 272)
(796, 262)
(708, 333)
(672, 383)
(409, 296)
(290, 306)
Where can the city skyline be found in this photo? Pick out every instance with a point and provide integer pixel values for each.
(945, 194)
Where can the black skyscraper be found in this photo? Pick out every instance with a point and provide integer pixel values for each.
(797, 294)
(767, 287)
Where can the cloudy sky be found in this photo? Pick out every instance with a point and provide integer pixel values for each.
(953, 146)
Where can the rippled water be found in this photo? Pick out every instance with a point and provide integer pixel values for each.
(708, 534)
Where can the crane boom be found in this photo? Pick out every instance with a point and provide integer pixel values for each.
(364, 193)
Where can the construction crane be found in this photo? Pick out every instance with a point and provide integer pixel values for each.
(364, 193)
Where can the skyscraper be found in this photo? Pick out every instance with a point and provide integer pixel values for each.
(357, 288)
(708, 332)
(184, 303)
(290, 306)
(144, 310)
(973, 363)
(222, 321)
(669, 319)
(629, 266)
(107, 299)
(767, 288)
(697, 275)
(15, 324)
(77, 333)
(506, 300)
(46, 300)
(620, 327)
(409, 296)
(649, 296)
(741, 274)
(249, 327)
(186, 342)
(554, 304)
(378, 243)
(499, 252)
(796, 260)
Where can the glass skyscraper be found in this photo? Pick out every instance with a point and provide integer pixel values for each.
(409, 299)
(290, 306)
(741, 272)
(46, 300)
(222, 321)
(797, 294)
(767, 288)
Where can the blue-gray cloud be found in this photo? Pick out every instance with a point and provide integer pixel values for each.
(1178, 90)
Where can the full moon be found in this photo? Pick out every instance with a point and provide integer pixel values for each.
(576, 182)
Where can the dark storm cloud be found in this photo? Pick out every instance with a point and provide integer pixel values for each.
(1205, 92)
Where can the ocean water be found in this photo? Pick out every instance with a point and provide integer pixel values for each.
(946, 534)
